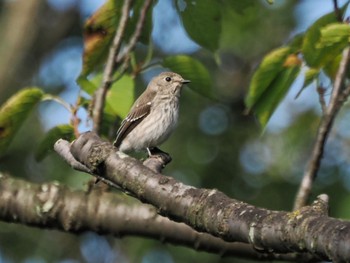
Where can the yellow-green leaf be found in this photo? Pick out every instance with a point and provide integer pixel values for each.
(86, 85)
(334, 34)
(271, 81)
(310, 76)
(315, 55)
(120, 96)
(276, 92)
(14, 112)
(331, 68)
(296, 43)
(192, 69)
(98, 33)
(266, 74)
(46, 145)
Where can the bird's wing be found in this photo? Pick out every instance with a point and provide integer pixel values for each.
(139, 111)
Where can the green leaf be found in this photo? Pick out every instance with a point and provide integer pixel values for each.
(239, 6)
(266, 73)
(14, 112)
(192, 69)
(119, 100)
(334, 34)
(271, 82)
(87, 85)
(202, 21)
(331, 68)
(315, 55)
(120, 96)
(310, 76)
(265, 107)
(98, 34)
(46, 145)
(296, 43)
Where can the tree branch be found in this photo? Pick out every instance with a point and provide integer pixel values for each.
(53, 206)
(324, 129)
(137, 33)
(337, 11)
(321, 91)
(306, 230)
(101, 92)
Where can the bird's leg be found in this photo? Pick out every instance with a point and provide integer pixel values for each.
(149, 151)
(154, 151)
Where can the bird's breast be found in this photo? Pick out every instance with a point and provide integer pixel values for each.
(167, 114)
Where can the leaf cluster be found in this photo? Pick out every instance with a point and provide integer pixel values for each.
(318, 50)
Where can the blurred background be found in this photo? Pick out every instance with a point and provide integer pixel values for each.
(215, 144)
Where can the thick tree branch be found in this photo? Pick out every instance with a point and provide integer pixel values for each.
(53, 206)
(306, 230)
(101, 92)
(335, 104)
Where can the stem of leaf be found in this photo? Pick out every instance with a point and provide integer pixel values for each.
(149, 54)
(59, 100)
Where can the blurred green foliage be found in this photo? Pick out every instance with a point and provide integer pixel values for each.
(215, 144)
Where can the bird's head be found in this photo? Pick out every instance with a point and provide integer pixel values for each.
(167, 83)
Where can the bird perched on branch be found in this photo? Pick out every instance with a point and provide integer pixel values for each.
(154, 115)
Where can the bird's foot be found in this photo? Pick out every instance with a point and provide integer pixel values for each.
(156, 152)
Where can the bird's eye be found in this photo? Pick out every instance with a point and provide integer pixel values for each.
(168, 79)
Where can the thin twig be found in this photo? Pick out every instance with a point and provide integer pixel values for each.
(321, 91)
(59, 100)
(138, 31)
(337, 11)
(75, 120)
(100, 95)
(123, 68)
(335, 103)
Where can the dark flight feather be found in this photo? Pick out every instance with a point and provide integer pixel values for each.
(140, 109)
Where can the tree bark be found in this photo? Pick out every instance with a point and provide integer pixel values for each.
(54, 206)
(309, 229)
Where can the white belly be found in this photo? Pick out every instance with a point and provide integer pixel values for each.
(155, 128)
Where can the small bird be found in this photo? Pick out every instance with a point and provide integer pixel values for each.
(154, 115)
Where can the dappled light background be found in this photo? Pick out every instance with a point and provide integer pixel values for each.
(215, 145)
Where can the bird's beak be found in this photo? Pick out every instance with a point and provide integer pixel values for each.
(185, 81)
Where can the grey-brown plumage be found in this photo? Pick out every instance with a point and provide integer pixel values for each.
(154, 115)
